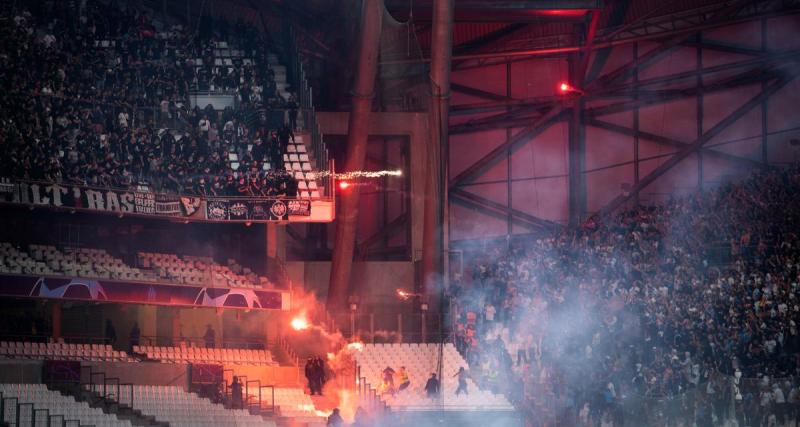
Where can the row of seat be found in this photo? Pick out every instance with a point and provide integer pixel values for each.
(100, 352)
(98, 264)
(183, 409)
(60, 351)
(207, 355)
(85, 262)
(201, 271)
(56, 404)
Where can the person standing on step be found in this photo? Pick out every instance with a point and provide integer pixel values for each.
(319, 375)
(111, 333)
(309, 371)
(462, 381)
(335, 420)
(135, 334)
(292, 112)
(236, 394)
(432, 387)
(209, 337)
(404, 380)
(388, 380)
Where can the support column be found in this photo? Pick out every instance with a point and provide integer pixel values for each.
(56, 320)
(276, 248)
(435, 215)
(272, 240)
(577, 151)
(147, 316)
(358, 129)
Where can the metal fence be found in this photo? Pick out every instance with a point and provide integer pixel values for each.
(391, 327)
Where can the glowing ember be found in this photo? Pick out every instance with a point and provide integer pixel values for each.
(331, 356)
(402, 294)
(299, 323)
(357, 346)
(356, 174)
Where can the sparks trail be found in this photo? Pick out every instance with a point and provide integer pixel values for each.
(356, 174)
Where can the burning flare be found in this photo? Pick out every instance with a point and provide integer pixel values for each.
(299, 323)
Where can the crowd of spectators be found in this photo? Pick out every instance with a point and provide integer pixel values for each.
(674, 314)
(99, 96)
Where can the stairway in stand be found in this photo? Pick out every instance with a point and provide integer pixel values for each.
(324, 403)
(109, 406)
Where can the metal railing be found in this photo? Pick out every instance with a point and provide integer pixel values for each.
(368, 396)
(392, 327)
(304, 95)
(200, 342)
(255, 403)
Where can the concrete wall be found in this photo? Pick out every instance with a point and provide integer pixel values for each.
(378, 280)
(162, 325)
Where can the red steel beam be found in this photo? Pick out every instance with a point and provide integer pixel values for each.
(552, 51)
(661, 139)
(538, 126)
(693, 147)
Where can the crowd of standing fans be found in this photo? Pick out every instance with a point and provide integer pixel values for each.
(679, 314)
(99, 96)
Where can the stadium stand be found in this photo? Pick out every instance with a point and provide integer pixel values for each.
(128, 118)
(62, 351)
(200, 270)
(420, 360)
(689, 296)
(56, 404)
(183, 409)
(206, 355)
(89, 263)
(295, 404)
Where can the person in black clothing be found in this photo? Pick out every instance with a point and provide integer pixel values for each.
(285, 134)
(111, 333)
(291, 186)
(236, 393)
(335, 420)
(319, 374)
(276, 154)
(462, 381)
(292, 113)
(432, 387)
(209, 337)
(309, 371)
(135, 334)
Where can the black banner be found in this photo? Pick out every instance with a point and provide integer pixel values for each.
(257, 210)
(141, 200)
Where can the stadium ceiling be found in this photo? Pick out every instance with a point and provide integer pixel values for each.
(499, 11)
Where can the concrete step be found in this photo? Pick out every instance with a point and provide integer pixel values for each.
(324, 403)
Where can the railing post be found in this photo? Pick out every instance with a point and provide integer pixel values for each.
(372, 327)
(399, 327)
